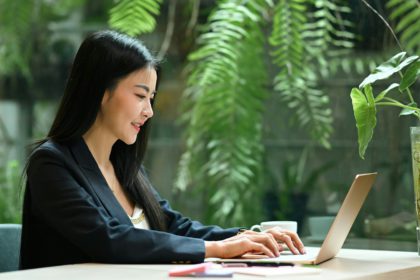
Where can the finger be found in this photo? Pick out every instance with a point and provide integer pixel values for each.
(283, 236)
(259, 248)
(273, 240)
(296, 243)
(288, 240)
(268, 240)
(265, 239)
(242, 247)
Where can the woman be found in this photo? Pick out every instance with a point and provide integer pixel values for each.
(87, 197)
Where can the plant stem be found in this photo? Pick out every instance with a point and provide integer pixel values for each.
(386, 23)
(169, 30)
(410, 95)
(400, 105)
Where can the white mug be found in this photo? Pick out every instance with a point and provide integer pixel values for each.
(286, 225)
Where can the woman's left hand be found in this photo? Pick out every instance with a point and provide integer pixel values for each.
(290, 238)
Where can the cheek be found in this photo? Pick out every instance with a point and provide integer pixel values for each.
(128, 109)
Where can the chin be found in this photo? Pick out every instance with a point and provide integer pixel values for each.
(129, 141)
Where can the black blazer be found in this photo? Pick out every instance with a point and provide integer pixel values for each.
(71, 216)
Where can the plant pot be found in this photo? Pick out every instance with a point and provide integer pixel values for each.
(415, 155)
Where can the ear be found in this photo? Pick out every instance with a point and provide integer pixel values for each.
(106, 97)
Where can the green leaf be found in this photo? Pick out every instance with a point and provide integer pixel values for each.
(383, 93)
(407, 111)
(410, 75)
(406, 14)
(134, 17)
(388, 68)
(224, 141)
(365, 115)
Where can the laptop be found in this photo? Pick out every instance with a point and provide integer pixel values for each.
(336, 235)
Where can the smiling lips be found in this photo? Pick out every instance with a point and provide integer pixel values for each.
(136, 126)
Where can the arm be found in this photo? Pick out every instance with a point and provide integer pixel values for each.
(230, 243)
(181, 225)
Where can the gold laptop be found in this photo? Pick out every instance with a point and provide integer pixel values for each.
(336, 235)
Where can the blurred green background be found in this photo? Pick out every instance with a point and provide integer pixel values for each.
(253, 119)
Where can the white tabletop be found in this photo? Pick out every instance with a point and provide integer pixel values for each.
(349, 264)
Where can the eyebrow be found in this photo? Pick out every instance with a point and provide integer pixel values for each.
(146, 88)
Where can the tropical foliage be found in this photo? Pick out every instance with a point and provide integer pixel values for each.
(365, 102)
(245, 51)
(407, 15)
(229, 82)
(224, 147)
(21, 23)
(223, 109)
(14, 26)
(134, 17)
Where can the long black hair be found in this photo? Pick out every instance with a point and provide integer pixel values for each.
(104, 58)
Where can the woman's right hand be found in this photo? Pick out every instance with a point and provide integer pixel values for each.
(246, 242)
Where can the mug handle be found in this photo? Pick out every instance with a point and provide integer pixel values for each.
(256, 228)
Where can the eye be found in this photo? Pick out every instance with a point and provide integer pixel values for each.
(140, 96)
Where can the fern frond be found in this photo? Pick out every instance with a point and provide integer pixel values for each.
(407, 15)
(224, 148)
(235, 160)
(134, 17)
(309, 105)
(355, 63)
(328, 34)
(327, 27)
(295, 80)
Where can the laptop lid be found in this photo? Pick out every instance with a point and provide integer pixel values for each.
(336, 235)
(346, 216)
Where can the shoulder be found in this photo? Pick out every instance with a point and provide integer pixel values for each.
(49, 148)
(49, 152)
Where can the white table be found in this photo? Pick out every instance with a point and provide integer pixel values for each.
(349, 264)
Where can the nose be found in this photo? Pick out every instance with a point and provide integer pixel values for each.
(148, 110)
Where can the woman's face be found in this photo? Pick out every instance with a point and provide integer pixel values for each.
(128, 106)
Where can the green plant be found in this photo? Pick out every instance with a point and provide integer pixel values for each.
(365, 102)
(407, 15)
(134, 17)
(229, 83)
(10, 200)
(21, 26)
(14, 26)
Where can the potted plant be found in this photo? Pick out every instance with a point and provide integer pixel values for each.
(397, 94)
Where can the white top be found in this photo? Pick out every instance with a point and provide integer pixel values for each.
(139, 219)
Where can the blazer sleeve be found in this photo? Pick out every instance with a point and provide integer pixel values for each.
(181, 225)
(65, 205)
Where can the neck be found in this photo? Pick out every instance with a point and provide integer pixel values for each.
(100, 144)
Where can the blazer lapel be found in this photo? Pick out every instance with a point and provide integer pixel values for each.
(98, 184)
